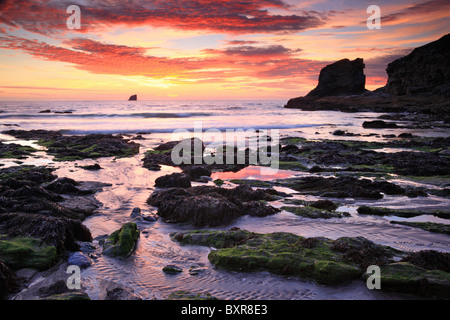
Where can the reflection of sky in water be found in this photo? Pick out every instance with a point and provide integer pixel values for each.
(253, 172)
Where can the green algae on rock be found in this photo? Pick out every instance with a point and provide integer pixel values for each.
(123, 241)
(314, 213)
(380, 211)
(216, 239)
(71, 148)
(281, 253)
(427, 226)
(186, 295)
(325, 261)
(408, 278)
(27, 252)
(172, 269)
(15, 151)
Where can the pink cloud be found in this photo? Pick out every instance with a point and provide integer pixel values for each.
(227, 16)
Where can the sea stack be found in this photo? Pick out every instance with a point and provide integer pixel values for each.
(341, 78)
(133, 97)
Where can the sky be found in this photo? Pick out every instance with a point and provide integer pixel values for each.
(201, 49)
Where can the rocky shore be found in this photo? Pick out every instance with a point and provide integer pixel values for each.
(42, 214)
(329, 262)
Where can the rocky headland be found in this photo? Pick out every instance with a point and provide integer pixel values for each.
(417, 83)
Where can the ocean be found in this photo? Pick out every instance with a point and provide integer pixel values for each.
(83, 117)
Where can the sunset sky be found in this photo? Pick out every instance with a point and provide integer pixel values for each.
(200, 49)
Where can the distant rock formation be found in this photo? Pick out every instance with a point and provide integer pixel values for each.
(426, 70)
(343, 77)
(133, 97)
(417, 83)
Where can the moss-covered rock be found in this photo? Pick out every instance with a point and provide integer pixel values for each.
(314, 213)
(172, 269)
(15, 151)
(62, 233)
(289, 254)
(364, 252)
(430, 260)
(186, 295)
(122, 242)
(281, 253)
(408, 278)
(216, 239)
(428, 226)
(380, 211)
(26, 252)
(30, 175)
(70, 148)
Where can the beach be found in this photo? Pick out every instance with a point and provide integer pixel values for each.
(305, 140)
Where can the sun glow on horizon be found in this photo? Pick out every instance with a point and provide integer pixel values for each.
(217, 50)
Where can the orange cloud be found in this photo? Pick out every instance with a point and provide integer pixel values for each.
(96, 57)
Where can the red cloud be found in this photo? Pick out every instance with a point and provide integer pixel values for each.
(230, 16)
(270, 62)
(96, 57)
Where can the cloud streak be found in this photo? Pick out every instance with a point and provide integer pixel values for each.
(269, 62)
(225, 16)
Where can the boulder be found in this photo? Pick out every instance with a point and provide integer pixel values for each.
(195, 172)
(379, 124)
(174, 180)
(136, 212)
(133, 97)
(324, 204)
(62, 233)
(110, 290)
(200, 211)
(210, 206)
(136, 215)
(92, 167)
(259, 209)
(26, 252)
(172, 269)
(79, 259)
(51, 286)
(343, 77)
(122, 242)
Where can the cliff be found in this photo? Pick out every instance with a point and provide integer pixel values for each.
(426, 70)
